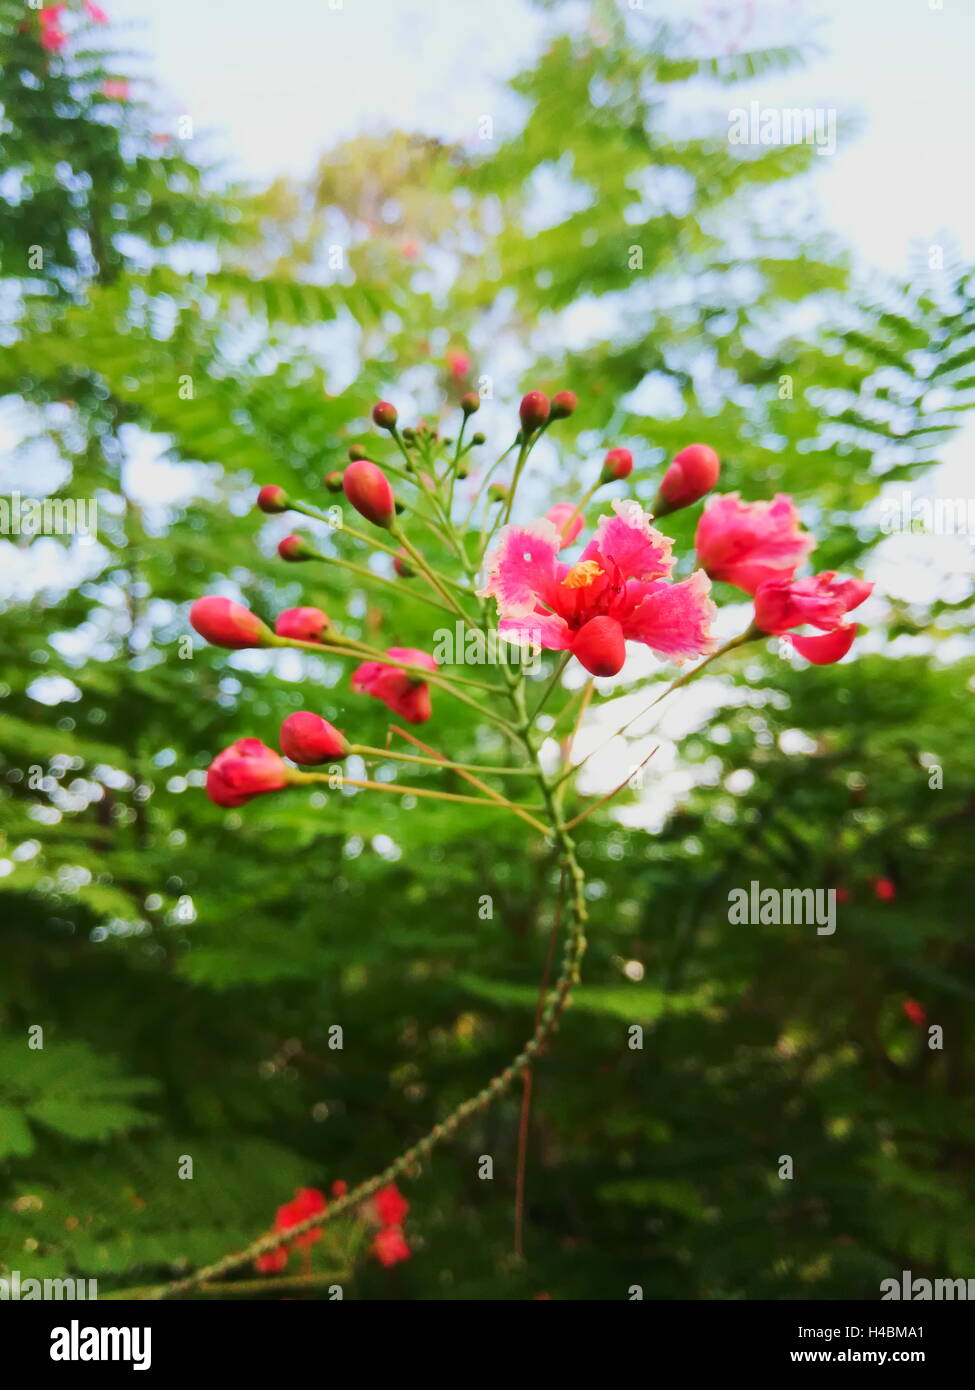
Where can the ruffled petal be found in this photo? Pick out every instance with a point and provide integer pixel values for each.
(522, 568)
(628, 544)
(538, 630)
(674, 620)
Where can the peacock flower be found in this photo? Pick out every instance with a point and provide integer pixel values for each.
(748, 543)
(822, 601)
(619, 590)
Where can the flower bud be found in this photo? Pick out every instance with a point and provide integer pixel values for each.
(295, 548)
(497, 492)
(368, 489)
(302, 624)
(385, 415)
(564, 404)
(224, 623)
(402, 565)
(356, 451)
(471, 403)
(333, 480)
(693, 472)
(478, 438)
(409, 435)
(244, 770)
(534, 411)
(617, 464)
(273, 499)
(307, 738)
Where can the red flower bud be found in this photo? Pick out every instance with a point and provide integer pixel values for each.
(368, 489)
(333, 480)
(617, 464)
(534, 410)
(356, 451)
(915, 1012)
(302, 624)
(295, 548)
(402, 565)
(273, 499)
(885, 889)
(693, 472)
(227, 624)
(244, 770)
(339, 1187)
(563, 404)
(600, 646)
(307, 738)
(471, 403)
(385, 415)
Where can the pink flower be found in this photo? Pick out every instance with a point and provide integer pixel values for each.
(244, 770)
(116, 89)
(389, 1246)
(458, 364)
(559, 517)
(95, 12)
(885, 889)
(53, 37)
(823, 601)
(617, 591)
(747, 543)
(405, 694)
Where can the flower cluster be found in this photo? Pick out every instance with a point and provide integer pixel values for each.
(385, 1214)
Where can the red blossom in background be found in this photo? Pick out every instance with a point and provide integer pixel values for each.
(885, 889)
(749, 543)
(95, 12)
(389, 1246)
(307, 1201)
(246, 769)
(914, 1012)
(390, 1205)
(53, 37)
(273, 1262)
(405, 694)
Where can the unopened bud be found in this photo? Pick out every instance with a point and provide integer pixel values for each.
(693, 473)
(563, 404)
(273, 499)
(617, 464)
(333, 480)
(369, 491)
(471, 403)
(356, 451)
(534, 411)
(497, 492)
(385, 415)
(295, 548)
(307, 738)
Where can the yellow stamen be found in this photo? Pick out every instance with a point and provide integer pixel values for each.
(583, 574)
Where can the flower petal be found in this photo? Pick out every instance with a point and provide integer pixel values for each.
(521, 568)
(539, 630)
(827, 647)
(674, 620)
(628, 542)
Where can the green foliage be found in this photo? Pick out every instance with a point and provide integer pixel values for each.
(187, 964)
